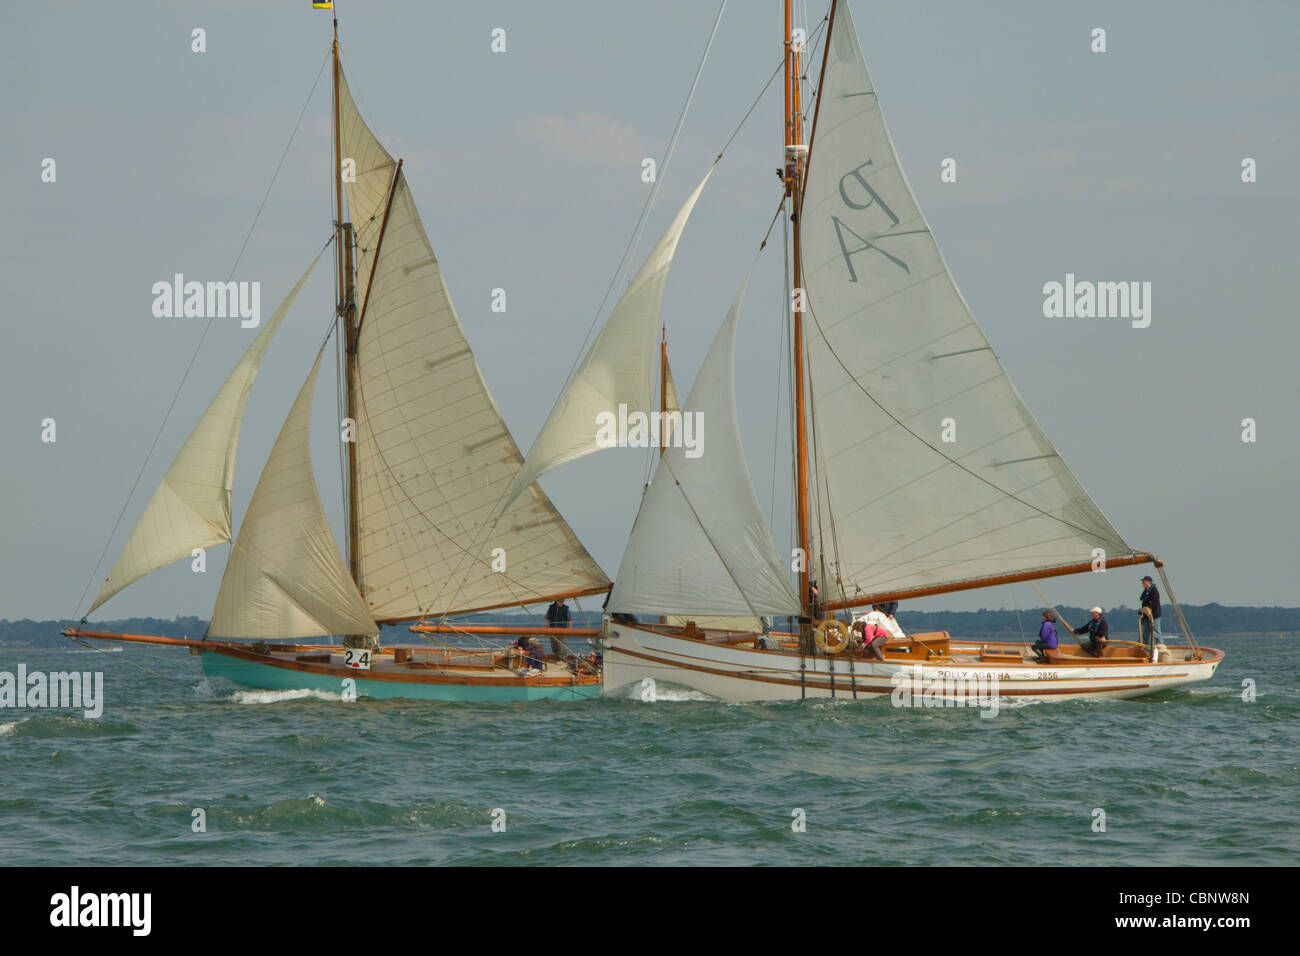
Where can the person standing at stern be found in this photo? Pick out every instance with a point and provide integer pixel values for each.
(557, 615)
(1149, 615)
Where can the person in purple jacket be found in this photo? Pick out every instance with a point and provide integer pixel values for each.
(1046, 638)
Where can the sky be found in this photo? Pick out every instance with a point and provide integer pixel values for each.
(526, 166)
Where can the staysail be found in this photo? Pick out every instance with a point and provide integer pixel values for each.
(700, 544)
(191, 506)
(285, 576)
(435, 456)
(618, 369)
(933, 469)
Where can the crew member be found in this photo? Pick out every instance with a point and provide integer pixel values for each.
(557, 615)
(1098, 631)
(1149, 616)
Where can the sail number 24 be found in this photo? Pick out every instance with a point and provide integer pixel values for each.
(358, 658)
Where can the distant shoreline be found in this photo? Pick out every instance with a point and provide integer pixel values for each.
(1207, 622)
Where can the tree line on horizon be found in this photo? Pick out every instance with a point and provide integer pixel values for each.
(1205, 620)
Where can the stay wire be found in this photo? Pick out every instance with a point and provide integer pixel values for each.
(197, 348)
(613, 282)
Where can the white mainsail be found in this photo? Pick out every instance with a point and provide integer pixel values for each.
(893, 352)
(435, 456)
(368, 173)
(191, 506)
(618, 369)
(700, 544)
(285, 576)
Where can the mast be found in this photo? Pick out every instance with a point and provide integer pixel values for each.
(794, 168)
(663, 391)
(663, 404)
(347, 313)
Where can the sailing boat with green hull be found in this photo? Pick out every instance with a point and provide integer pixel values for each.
(426, 466)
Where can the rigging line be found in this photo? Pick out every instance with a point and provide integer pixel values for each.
(1019, 621)
(632, 240)
(127, 660)
(94, 572)
(792, 524)
(782, 333)
(647, 205)
(823, 492)
(340, 409)
(709, 538)
(1048, 604)
(672, 144)
(779, 66)
(1178, 610)
(897, 421)
(466, 552)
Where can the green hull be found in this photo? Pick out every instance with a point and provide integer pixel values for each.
(249, 674)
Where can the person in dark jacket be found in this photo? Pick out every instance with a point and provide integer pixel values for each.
(1046, 638)
(1149, 616)
(1098, 631)
(557, 615)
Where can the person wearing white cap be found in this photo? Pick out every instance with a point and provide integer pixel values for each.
(1098, 631)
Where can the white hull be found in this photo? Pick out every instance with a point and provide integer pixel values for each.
(635, 653)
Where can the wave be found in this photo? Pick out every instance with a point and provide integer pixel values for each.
(65, 726)
(667, 695)
(278, 696)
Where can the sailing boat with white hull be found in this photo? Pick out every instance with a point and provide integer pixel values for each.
(884, 348)
(428, 466)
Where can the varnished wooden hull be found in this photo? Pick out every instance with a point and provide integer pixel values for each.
(727, 669)
(239, 667)
(416, 673)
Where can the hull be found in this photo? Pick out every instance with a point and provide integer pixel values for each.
(414, 673)
(241, 668)
(922, 671)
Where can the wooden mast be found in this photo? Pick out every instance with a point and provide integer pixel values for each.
(663, 404)
(793, 188)
(338, 180)
(347, 313)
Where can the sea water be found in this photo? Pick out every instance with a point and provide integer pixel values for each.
(175, 773)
